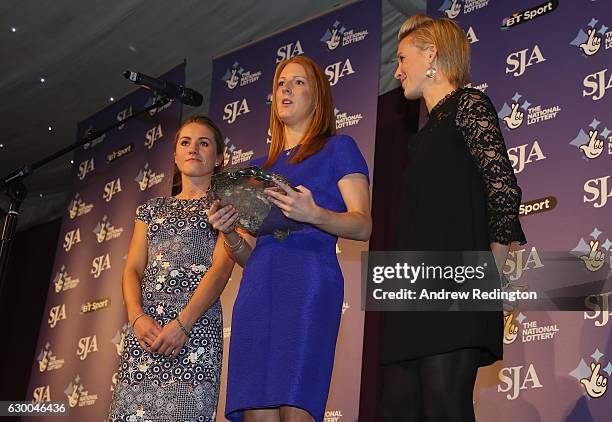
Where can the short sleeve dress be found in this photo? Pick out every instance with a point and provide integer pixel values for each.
(152, 387)
(287, 313)
(459, 193)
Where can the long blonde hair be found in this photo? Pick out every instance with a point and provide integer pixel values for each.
(323, 123)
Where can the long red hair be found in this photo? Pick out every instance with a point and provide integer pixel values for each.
(322, 124)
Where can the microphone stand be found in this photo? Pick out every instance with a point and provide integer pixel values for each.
(12, 185)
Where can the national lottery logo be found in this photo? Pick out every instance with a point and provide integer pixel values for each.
(519, 110)
(78, 207)
(594, 375)
(89, 132)
(105, 231)
(62, 281)
(154, 99)
(332, 416)
(338, 35)
(452, 8)
(593, 254)
(237, 75)
(47, 361)
(119, 338)
(234, 156)
(77, 395)
(344, 119)
(147, 178)
(520, 327)
(593, 140)
(596, 37)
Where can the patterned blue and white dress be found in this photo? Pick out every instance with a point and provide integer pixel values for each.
(151, 387)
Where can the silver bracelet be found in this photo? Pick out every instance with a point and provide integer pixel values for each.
(183, 329)
(136, 319)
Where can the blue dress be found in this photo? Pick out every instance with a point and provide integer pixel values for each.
(287, 313)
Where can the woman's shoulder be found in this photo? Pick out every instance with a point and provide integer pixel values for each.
(468, 95)
(340, 141)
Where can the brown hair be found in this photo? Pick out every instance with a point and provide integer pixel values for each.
(323, 123)
(453, 47)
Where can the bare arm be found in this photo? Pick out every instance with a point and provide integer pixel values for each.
(355, 223)
(145, 328)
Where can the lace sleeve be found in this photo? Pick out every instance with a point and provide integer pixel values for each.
(478, 124)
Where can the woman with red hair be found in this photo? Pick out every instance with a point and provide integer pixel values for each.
(287, 314)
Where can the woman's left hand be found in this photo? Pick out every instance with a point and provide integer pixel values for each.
(170, 341)
(299, 205)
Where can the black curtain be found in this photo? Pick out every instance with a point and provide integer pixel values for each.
(396, 122)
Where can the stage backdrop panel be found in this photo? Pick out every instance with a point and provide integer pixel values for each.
(546, 67)
(345, 43)
(82, 331)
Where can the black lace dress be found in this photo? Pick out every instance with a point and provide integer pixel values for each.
(459, 193)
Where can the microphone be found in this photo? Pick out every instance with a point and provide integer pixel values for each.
(187, 96)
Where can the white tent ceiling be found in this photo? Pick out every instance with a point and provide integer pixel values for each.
(81, 48)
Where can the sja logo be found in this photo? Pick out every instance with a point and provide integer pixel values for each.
(111, 189)
(594, 39)
(99, 264)
(522, 155)
(154, 134)
(105, 231)
(147, 178)
(86, 346)
(47, 361)
(519, 61)
(122, 115)
(62, 281)
(236, 75)
(337, 70)
(599, 304)
(56, 313)
(85, 168)
(41, 394)
(471, 35)
(119, 339)
(596, 143)
(71, 238)
(517, 263)
(593, 377)
(597, 191)
(593, 254)
(287, 51)
(232, 110)
(521, 110)
(515, 379)
(596, 85)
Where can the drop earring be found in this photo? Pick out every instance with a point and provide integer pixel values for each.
(431, 72)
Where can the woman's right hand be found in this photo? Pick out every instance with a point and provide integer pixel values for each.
(146, 330)
(222, 219)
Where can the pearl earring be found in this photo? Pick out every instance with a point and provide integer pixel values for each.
(431, 72)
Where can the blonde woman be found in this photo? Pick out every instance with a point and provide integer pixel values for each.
(459, 193)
